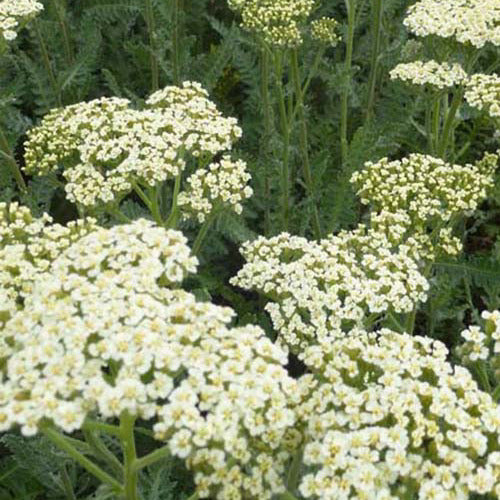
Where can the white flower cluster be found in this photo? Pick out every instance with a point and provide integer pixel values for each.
(106, 330)
(27, 248)
(221, 184)
(430, 73)
(476, 22)
(278, 22)
(13, 13)
(393, 419)
(483, 344)
(483, 92)
(424, 193)
(104, 146)
(325, 30)
(320, 290)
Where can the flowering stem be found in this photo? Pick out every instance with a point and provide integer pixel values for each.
(304, 142)
(294, 472)
(285, 132)
(448, 124)
(100, 450)
(155, 207)
(203, 232)
(152, 457)
(129, 456)
(150, 23)
(376, 32)
(61, 17)
(94, 425)
(194, 496)
(435, 124)
(61, 442)
(351, 21)
(287, 496)
(266, 108)
(7, 153)
(172, 218)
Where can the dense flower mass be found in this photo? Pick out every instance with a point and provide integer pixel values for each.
(319, 290)
(106, 330)
(105, 147)
(221, 184)
(395, 420)
(426, 191)
(476, 22)
(430, 73)
(325, 30)
(278, 22)
(483, 92)
(28, 246)
(13, 13)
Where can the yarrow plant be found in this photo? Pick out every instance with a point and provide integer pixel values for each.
(106, 333)
(483, 92)
(14, 14)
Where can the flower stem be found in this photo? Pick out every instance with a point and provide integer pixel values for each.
(287, 496)
(448, 124)
(94, 425)
(376, 32)
(294, 471)
(150, 23)
(174, 213)
(203, 232)
(129, 456)
(61, 442)
(436, 119)
(99, 450)
(266, 109)
(304, 142)
(68, 487)
(61, 17)
(285, 132)
(7, 153)
(351, 21)
(152, 457)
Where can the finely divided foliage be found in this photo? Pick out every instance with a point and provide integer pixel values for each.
(181, 288)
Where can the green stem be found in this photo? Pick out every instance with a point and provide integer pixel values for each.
(100, 450)
(155, 207)
(266, 108)
(94, 425)
(436, 115)
(287, 496)
(410, 319)
(61, 17)
(448, 124)
(194, 496)
(351, 18)
(142, 195)
(68, 487)
(150, 23)
(8, 154)
(176, 41)
(174, 212)
(129, 456)
(46, 62)
(115, 212)
(285, 132)
(294, 472)
(152, 457)
(376, 35)
(304, 146)
(496, 394)
(203, 232)
(61, 442)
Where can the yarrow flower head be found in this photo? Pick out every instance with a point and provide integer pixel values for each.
(320, 290)
(429, 190)
(278, 22)
(483, 92)
(28, 246)
(14, 13)
(475, 22)
(325, 30)
(221, 184)
(107, 332)
(393, 416)
(104, 146)
(431, 74)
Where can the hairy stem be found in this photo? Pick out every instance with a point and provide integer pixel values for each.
(174, 211)
(8, 155)
(203, 232)
(151, 27)
(304, 145)
(376, 35)
(294, 471)
(351, 21)
(68, 487)
(61, 442)
(152, 457)
(436, 120)
(94, 425)
(129, 456)
(449, 124)
(100, 450)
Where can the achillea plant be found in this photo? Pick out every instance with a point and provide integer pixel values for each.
(483, 92)
(14, 14)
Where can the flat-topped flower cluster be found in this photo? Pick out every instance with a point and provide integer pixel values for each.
(107, 330)
(320, 290)
(432, 74)
(483, 92)
(474, 22)
(105, 147)
(14, 13)
(390, 418)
